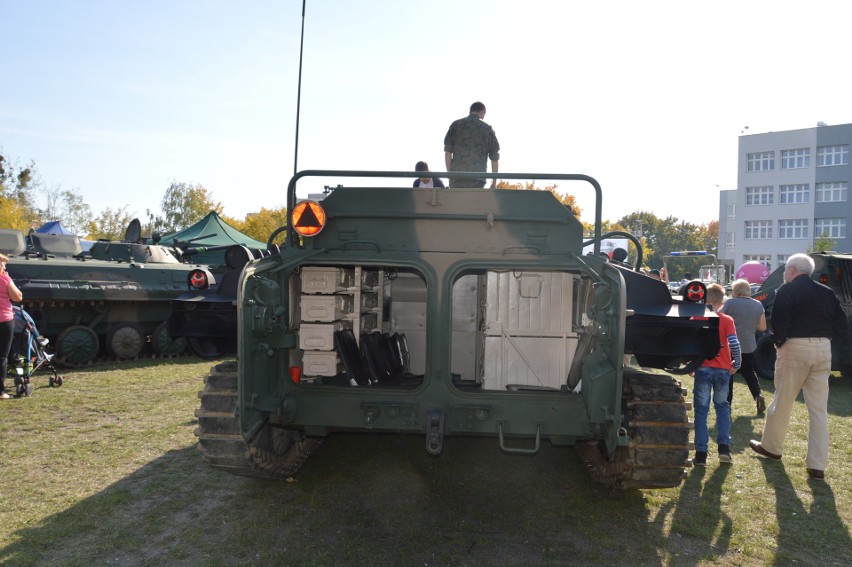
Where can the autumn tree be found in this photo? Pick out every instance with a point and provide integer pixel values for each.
(17, 183)
(262, 224)
(183, 205)
(709, 235)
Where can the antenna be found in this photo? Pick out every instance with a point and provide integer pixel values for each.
(299, 92)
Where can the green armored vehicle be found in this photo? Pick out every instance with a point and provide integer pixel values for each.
(442, 312)
(832, 269)
(112, 300)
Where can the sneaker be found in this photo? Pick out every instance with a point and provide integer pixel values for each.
(816, 474)
(725, 454)
(4, 396)
(700, 459)
(761, 403)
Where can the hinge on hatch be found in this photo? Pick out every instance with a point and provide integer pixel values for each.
(435, 432)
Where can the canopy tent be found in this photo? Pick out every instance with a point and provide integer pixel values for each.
(212, 231)
(53, 227)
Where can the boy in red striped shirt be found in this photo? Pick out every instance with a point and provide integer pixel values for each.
(714, 376)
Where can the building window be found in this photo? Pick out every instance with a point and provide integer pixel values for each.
(793, 228)
(794, 194)
(764, 259)
(832, 155)
(732, 211)
(830, 228)
(831, 192)
(761, 161)
(758, 230)
(764, 195)
(796, 159)
(730, 240)
(782, 260)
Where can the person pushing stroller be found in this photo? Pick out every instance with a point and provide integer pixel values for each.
(9, 292)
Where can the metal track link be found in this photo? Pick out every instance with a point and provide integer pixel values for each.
(658, 431)
(273, 453)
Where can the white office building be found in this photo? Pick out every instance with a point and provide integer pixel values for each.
(792, 188)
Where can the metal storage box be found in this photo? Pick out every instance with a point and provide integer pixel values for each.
(325, 308)
(319, 363)
(320, 336)
(316, 279)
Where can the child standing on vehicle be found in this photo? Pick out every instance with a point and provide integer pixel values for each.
(713, 378)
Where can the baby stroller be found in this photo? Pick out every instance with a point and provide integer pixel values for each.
(28, 354)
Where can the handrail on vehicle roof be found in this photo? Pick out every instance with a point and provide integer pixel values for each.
(292, 236)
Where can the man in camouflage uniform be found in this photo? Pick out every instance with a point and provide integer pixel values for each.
(467, 146)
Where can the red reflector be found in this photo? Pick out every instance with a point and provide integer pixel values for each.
(695, 292)
(198, 279)
(296, 374)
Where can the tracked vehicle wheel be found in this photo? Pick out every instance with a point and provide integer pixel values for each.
(206, 348)
(77, 345)
(164, 345)
(657, 428)
(274, 452)
(126, 341)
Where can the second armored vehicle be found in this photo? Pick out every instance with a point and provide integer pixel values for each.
(831, 269)
(115, 299)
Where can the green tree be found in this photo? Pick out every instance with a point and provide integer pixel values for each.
(823, 243)
(665, 235)
(108, 225)
(182, 205)
(17, 183)
(68, 208)
(75, 213)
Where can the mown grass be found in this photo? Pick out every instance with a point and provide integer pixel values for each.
(104, 471)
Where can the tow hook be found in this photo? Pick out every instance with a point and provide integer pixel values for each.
(435, 432)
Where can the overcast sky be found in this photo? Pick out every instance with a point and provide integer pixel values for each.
(117, 99)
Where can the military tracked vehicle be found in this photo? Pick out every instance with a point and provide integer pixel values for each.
(205, 315)
(114, 299)
(444, 312)
(832, 269)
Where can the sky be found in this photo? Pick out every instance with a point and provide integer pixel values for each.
(117, 100)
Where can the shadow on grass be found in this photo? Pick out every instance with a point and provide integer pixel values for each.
(699, 517)
(380, 500)
(806, 535)
(360, 500)
(840, 396)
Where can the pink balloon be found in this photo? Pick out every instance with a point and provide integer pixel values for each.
(753, 271)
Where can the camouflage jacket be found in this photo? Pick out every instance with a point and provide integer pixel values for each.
(472, 142)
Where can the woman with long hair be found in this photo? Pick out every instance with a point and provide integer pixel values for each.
(9, 292)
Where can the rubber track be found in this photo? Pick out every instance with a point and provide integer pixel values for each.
(224, 447)
(655, 417)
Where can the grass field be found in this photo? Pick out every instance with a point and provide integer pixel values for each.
(104, 471)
